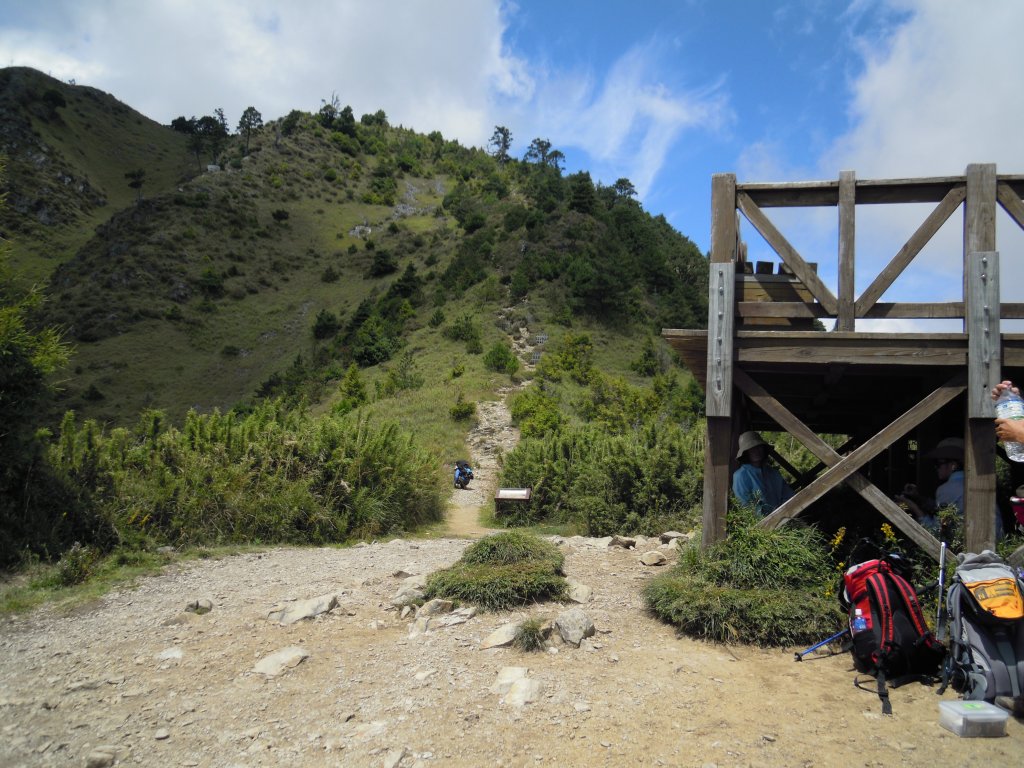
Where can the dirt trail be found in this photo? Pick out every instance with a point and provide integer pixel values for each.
(492, 436)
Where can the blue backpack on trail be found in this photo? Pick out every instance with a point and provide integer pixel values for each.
(463, 474)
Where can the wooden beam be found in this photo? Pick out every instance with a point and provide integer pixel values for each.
(881, 310)
(787, 252)
(724, 232)
(839, 472)
(801, 194)
(867, 490)
(911, 248)
(1011, 203)
(717, 478)
(847, 229)
(979, 485)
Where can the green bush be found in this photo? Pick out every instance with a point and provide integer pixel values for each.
(511, 547)
(463, 410)
(643, 481)
(768, 588)
(502, 359)
(502, 571)
(275, 475)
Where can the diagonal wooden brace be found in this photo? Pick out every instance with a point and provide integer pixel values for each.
(845, 469)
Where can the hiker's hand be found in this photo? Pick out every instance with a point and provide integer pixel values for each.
(1011, 430)
(997, 390)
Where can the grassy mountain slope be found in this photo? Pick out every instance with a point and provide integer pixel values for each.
(68, 149)
(331, 242)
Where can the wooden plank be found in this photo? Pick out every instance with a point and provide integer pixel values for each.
(828, 350)
(786, 252)
(828, 456)
(721, 321)
(984, 353)
(869, 191)
(847, 228)
(838, 473)
(724, 232)
(911, 248)
(717, 478)
(979, 485)
(1011, 203)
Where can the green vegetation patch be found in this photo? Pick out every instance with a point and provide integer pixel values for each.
(511, 547)
(501, 572)
(767, 588)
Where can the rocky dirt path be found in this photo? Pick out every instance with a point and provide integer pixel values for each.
(135, 679)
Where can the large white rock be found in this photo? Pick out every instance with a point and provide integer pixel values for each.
(506, 677)
(574, 625)
(579, 593)
(280, 661)
(302, 609)
(523, 692)
(653, 558)
(501, 637)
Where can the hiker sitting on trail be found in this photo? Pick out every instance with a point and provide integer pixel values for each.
(948, 456)
(756, 482)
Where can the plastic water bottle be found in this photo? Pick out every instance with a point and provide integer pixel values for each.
(1011, 406)
(859, 622)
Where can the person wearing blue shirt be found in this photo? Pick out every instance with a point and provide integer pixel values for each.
(756, 482)
(948, 456)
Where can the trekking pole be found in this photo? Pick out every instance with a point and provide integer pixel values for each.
(816, 646)
(940, 628)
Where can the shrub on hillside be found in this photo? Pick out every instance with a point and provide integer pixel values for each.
(768, 588)
(502, 359)
(643, 481)
(274, 475)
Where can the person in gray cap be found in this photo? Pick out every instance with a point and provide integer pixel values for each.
(756, 482)
(948, 456)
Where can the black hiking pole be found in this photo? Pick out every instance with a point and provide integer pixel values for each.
(816, 646)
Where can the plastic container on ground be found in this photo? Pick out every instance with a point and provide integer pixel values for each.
(1011, 406)
(973, 719)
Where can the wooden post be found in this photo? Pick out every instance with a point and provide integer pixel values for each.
(847, 226)
(718, 389)
(979, 431)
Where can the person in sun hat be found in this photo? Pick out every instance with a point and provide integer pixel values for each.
(756, 481)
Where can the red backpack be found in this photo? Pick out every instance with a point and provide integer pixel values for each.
(890, 639)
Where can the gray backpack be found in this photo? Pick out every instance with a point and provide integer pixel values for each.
(986, 627)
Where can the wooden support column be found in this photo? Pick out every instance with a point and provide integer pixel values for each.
(718, 389)
(847, 226)
(981, 302)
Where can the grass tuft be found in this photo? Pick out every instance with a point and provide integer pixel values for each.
(767, 588)
(501, 572)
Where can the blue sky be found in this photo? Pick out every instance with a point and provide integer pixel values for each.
(663, 93)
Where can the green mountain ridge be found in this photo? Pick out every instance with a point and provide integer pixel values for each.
(332, 241)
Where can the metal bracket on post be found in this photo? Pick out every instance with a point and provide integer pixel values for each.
(721, 320)
(984, 340)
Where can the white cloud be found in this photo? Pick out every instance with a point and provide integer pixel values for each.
(626, 122)
(430, 66)
(935, 94)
